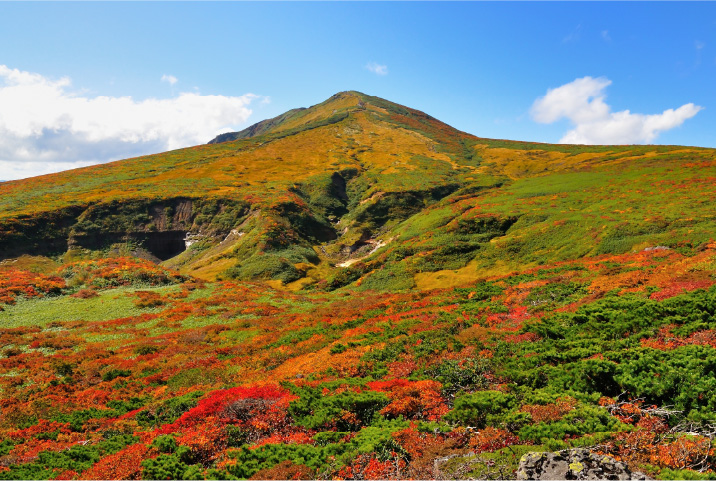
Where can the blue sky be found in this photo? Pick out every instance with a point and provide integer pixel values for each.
(480, 67)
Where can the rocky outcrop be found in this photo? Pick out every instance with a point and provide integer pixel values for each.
(158, 228)
(574, 464)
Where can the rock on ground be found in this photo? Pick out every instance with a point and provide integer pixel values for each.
(574, 464)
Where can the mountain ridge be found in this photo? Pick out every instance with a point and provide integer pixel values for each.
(255, 129)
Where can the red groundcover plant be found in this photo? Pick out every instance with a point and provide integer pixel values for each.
(218, 405)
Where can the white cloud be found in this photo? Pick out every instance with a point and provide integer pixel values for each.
(45, 126)
(582, 102)
(377, 68)
(605, 36)
(10, 170)
(170, 79)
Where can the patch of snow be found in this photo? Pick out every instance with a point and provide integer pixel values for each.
(234, 232)
(377, 246)
(190, 239)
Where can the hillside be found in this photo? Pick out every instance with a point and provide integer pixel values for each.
(355, 290)
(326, 185)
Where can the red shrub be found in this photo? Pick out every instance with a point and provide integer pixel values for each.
(125, 464)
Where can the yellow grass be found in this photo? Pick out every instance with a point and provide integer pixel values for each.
(469, 274)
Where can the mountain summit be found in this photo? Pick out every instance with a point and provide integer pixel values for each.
(331, 111)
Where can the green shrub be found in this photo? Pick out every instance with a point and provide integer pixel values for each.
(577, 422)
(555, 294)
(168, 411)
(685, 474)
(6, 446)
(460, 376)
(165, 444)
(77, 419)
(77, 458)
(314, 410)
(482, 291)
(170, 466)
(481, 409)
(113, 374)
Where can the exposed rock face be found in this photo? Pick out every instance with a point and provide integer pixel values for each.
(573, 464)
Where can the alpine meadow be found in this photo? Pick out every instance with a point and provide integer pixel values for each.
(357, 290)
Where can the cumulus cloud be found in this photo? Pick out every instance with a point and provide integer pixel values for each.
(377, 68)
(582, 102)
(170, 79)
(46, 126)
(11, 170)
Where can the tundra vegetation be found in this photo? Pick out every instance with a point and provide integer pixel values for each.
(355, 290)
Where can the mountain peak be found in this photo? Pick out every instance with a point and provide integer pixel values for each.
(332, 110)
(345, 101)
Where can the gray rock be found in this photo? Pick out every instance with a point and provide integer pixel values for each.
(657, 248)
(574, 464)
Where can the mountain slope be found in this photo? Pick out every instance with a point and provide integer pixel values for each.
(256, 129)
(359, 189)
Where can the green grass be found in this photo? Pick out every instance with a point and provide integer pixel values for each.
(235, 337)
(110, 304)
(103, 338)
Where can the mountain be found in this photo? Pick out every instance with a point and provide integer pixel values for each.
(299, 197)
(356, 290)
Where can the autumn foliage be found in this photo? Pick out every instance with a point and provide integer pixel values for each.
(200, 385)
(395, 297)
(15, 283)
